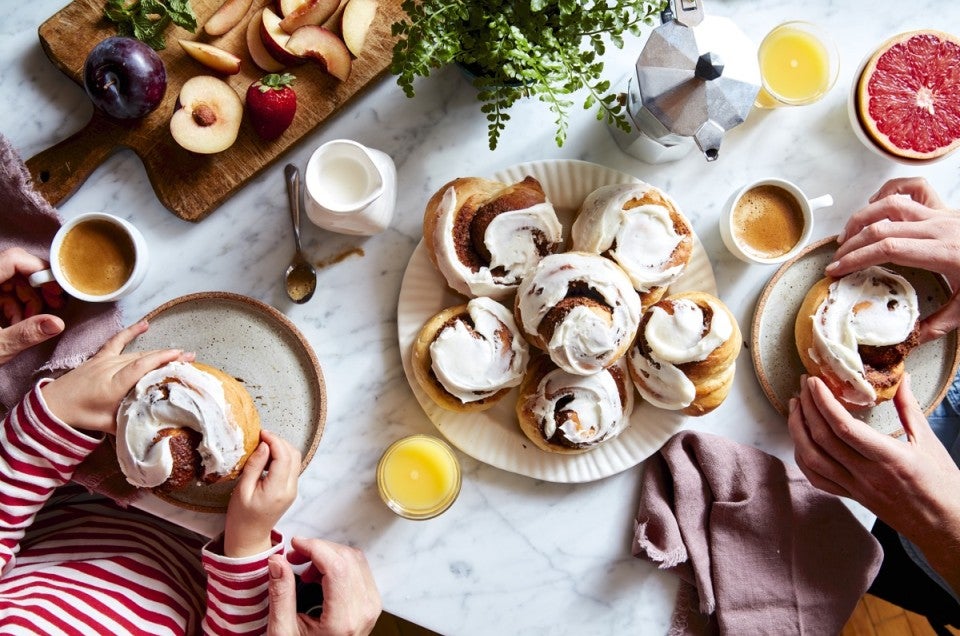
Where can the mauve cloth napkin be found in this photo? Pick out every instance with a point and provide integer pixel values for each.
(758, 549)
(28, 221)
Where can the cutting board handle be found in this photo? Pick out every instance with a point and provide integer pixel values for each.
(59, 170)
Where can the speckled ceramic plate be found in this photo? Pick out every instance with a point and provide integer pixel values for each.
(774, 351)
(494, 436)
(259, 346)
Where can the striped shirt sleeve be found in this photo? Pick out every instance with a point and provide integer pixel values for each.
(38, 453)
(237, 590)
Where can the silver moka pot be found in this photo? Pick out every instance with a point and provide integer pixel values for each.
(696, 78)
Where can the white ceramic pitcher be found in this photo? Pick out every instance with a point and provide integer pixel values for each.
(350, 188)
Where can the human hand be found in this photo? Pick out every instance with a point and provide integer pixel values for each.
(87, 397)
(351, 601)
(907, 224)
(20, 305)
(913, 486)
(258, 501)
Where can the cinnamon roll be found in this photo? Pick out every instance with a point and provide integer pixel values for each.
(639, 227)
(855, 333)
(579, 308)
(685, 355)
(566, 413)
(183, 424)
(468, 357)
(484, 236)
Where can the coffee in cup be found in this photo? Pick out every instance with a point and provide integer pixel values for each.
(96, 257)
(769, 221)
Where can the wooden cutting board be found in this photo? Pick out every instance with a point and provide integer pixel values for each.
(190, 185)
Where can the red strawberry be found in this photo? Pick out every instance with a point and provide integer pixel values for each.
(271, 104)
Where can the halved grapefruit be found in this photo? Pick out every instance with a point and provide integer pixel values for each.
(908, 96)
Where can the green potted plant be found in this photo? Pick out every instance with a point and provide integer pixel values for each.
(521, 48)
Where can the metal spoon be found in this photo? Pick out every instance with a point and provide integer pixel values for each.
(301, 277)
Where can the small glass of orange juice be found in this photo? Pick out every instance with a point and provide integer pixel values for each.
(798, 65)
(418, 477)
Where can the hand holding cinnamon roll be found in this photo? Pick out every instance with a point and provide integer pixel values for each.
(581, 309)
(641, 229)
(685, 354)
(183, 424)
(485, 236)
(855, 333)
(468, 357)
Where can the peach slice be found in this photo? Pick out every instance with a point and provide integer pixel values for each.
(309, 12)
(209, 116)
(258, 53)
(355, 25)
(212, 56)
(227, 16)
(323, 46)
(275, 39)
(333, 22)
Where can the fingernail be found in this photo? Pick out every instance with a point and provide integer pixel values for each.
(832, 266)
(793, 404)
(50, 327)
(842, 235)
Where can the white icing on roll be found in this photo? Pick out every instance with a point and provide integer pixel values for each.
(873, 307)
(594, 411)
(177, 395)
(674, 340)
(642, 239)
(473, 364)
(510, 240)
(583, 342)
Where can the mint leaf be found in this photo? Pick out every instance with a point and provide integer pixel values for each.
(146, 20)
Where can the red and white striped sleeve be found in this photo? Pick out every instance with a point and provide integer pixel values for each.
(38, 453)
(237, 590)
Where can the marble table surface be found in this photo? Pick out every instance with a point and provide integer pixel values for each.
(514, 554)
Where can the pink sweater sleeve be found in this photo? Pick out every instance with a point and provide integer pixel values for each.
(237, 590)
(38, 453)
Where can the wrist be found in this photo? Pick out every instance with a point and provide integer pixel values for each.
(243, 544)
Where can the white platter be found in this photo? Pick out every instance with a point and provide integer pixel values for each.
(493, 436)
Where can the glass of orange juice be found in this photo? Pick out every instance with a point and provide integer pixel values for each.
(418, 477)
(798, 65)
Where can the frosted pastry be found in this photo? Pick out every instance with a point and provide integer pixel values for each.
(581, 309)
(484, 236)
(468, 357)
(639, 227)
(855, 333)
(185, 423)
(565, 413)
(685, 355)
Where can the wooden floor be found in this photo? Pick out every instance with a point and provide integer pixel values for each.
(876, 617)
(873, 617)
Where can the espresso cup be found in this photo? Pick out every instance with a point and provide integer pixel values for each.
(769, 221)
(96, 257)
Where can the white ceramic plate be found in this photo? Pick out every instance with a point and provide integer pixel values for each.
(259, 346)
(494, 436)
(774, 350)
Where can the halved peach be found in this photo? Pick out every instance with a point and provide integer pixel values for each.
(209, 116)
